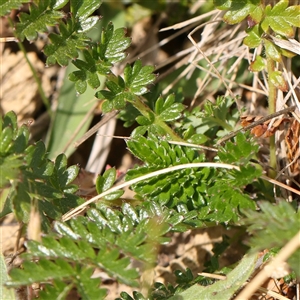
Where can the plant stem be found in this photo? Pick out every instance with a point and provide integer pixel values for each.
(272, 109)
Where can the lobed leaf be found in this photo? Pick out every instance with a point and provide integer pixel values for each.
(64, 46)
(32, 175)
(281, 18)
(99, 58)
(6, 6)
(239, 152)
(253, 39)
(39, 17)
(225, 203)
(176, 187)
(215, 119)
(138, 77)
(168, 110)
(38, 272)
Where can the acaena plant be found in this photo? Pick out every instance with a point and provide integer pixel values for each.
(185, 180)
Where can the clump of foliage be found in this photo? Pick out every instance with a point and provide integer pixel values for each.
(177, 187)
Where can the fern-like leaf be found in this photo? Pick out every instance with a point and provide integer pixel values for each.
(6, 6)
(184, 186)
(274, 226)
(58, 271)
(29, 174)
(215, 119)
(240, 151)
(64, 46)
(281, 18)
(165, 111)
(41, 16)
(13, 142)
(71, 38)
(219, 200)
(95, 242)
(136, 79)
(100, 58)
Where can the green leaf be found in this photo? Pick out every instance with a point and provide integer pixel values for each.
(6, 139)
(33, 176)
(272, 227)
(168, 110)
(37, 272)
(256, 15)
(215, 119)
(115, 46)
(83, 9)
(64, 176)
(225, 202)
(6, 6)
(258, 64)
(272, 50)
(60, 4)
(239, 152)
(277, 79)
(59, 290)
(106, 181)
(177, 186)
(88, 287)
(238, 10)
(247, 174)
(13, 141)
(5, 293)
(253, 39)
(281, 18)
(65, 45)
(39, 18)
(116, 97)
(223, 289)
(99, 58)
(138, 77)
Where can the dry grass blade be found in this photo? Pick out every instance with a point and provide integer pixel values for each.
(191, 21)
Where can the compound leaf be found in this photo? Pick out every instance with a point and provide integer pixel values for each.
(64, 46)
(6, 6)
(281, 18)
(99, 58)
(39, 17)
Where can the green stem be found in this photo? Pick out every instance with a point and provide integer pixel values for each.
(34, 73)
(272, 109)
(147, 112)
